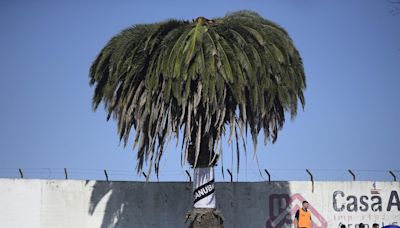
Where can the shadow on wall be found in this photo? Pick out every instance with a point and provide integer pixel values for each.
(139, 204)
(260, 204)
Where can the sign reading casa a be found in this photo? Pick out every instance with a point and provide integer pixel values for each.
(353, 203)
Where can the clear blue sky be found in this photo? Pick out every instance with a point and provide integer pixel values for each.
(351, 53)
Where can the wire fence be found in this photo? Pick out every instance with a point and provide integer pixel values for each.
(223, 175)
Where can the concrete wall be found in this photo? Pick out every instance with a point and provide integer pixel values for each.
(72, 203)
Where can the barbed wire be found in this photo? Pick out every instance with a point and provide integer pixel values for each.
(272, 174)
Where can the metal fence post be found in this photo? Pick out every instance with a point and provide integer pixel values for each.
(21, 174)
(105, 173)
(394, 176)
(145, 176)
(190, 178)
(269, 176)
(312, 179)
(354, 176)
(230, 174)
(66, 174)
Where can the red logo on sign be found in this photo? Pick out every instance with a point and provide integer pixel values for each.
(282, 209)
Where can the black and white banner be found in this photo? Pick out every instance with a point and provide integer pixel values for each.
(203, 188)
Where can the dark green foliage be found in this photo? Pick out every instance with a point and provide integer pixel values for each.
(198, 77)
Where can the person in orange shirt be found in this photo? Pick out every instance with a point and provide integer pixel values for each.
(302, 219)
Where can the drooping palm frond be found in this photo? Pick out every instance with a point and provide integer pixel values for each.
(241, 71)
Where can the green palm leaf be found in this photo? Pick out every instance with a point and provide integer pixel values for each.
(196, 77)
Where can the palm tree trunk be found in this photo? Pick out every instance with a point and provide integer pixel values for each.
(204, 213)
(203, 188)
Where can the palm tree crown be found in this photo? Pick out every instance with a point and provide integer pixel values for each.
(195, 78)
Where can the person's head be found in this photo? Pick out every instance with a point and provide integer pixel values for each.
(361, 225)
(305, 204)
(375, 225)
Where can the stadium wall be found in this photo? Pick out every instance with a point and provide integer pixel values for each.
(31, 203)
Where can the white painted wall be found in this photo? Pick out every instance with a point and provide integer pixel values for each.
(47, 204)
(66, 203)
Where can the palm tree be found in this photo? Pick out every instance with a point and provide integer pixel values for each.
(194, 79)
